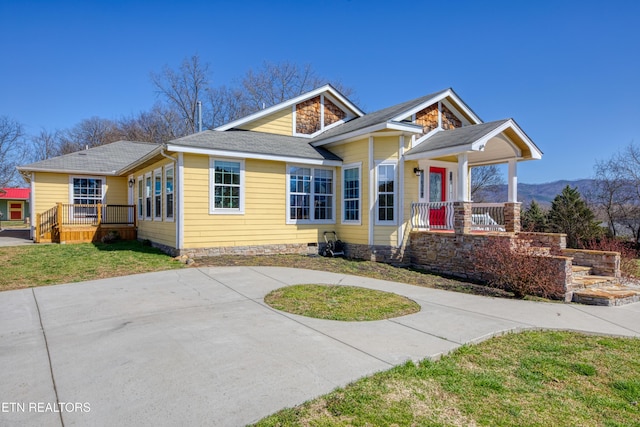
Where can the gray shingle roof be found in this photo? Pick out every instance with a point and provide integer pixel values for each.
(456, 137)
(256, 143)
(105, 159)
(377, 117)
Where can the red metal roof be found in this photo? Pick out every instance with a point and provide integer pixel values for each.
(15, 193)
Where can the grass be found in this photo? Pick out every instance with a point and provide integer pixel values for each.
(526, 379)
(375, 270)
(38, 265)
(347, 303)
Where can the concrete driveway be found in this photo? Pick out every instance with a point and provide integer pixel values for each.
(14, 237)
(199, 346)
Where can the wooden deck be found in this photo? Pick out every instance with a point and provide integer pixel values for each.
(85, 223)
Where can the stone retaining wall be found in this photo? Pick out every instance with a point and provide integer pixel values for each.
(387, 254)
(455, 255)
(557, 242)
(602, 263)
(277, 249)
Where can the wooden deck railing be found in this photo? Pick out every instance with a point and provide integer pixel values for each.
(51, 223)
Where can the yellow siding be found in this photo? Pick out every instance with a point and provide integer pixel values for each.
(280, 123)
(264, 219)
(117, 192)
(50, 189)
(53, 188)
(158, 231)
(386, 235)
(354, 152)
(385, 147)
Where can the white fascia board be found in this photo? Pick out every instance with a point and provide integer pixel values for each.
(479, 144)
(290, 102)
(403, 127)
(536, 154)
(426, 136)
(440, 152)
(256, 156)
(132, 166)
(448, 93)
(70, 171)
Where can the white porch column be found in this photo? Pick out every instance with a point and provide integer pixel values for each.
(463, 178)
(512, 190)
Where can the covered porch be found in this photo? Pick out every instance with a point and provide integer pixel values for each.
(445, 160)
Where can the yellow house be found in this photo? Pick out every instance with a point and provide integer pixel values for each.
(276, 180)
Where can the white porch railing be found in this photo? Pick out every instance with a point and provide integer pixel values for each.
(487, 217)
(432, 215)
(439, 216)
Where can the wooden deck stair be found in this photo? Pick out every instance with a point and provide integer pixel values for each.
(601, 290)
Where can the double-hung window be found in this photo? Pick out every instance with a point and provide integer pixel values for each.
(310, 195)
(168, 192)
(86, 191)
(386, 192)
(227, 186)
(157, 194)
(351, 194)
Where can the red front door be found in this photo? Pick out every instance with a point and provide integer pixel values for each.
(437, 193)
(15, 211)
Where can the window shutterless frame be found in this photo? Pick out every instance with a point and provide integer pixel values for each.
(226, 186)
(352, 194)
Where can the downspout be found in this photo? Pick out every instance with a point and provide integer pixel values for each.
(177, 176)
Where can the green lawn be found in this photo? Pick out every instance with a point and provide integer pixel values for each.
(526, 379)
(347, 303)
(38, 265)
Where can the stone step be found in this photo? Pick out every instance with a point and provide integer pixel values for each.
(581, 271)
(611, 295)
(591, 281)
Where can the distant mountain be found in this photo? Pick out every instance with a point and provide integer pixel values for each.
(543, 194)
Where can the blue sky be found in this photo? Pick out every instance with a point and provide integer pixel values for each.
(567, 71)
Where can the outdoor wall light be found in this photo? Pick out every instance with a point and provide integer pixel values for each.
(131, 182)
(417, 171)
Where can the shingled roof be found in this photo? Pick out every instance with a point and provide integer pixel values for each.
(456, 137)
(252, 142)
(105, 160)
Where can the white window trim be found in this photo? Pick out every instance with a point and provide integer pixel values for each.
(343, 168)
(156, 173)
(103, 187)
(290, 221)
(393, 163)
(225, 211)
(148, 175)
(164, 193)
(140, 197)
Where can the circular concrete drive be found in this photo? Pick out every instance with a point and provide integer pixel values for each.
(14, 237)
(199, 346)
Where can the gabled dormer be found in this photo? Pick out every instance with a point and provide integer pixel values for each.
(306, 115)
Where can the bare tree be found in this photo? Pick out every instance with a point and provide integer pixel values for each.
(12, 150)
(158, 125)
(617, 191)
(89, 133)
(45, 145)
(183, 88)
(486, 181)
(225, 104)
(277, 82)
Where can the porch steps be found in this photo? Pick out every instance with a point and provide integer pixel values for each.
(601, 290)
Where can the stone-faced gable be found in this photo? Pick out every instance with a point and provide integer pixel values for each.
(308, 116)
(309, 119)
(428, 119)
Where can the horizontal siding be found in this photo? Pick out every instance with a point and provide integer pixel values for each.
(117, 192)
(50, 189)
(385, 235)
(264, 220)
(354, 152)
(385, 147)
(280, 122)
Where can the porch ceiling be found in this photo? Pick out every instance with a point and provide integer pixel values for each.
(486, 143)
